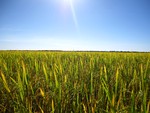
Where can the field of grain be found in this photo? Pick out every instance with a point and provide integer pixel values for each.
(74, 82)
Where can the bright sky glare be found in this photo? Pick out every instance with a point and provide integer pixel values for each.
(103, 25)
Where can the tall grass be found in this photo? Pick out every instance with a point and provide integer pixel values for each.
(77, 82)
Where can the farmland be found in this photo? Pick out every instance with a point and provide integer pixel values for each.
(77, 82)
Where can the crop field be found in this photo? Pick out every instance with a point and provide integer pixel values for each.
(74, 82)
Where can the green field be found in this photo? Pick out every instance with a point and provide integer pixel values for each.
(74, 82)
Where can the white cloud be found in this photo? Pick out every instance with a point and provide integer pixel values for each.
(39, 42)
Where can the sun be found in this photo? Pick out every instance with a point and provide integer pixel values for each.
(68, 1)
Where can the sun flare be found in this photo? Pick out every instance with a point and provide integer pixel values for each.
(70, 3)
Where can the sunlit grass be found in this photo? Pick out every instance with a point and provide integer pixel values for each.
(78, 82)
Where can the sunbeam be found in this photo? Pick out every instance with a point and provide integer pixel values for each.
(74, 15)
(70, 3)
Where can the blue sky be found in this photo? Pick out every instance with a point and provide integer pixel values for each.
(104, 25)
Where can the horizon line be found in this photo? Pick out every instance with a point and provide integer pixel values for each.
(75, 50)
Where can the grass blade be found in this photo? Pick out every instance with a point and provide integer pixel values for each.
(5, 82)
